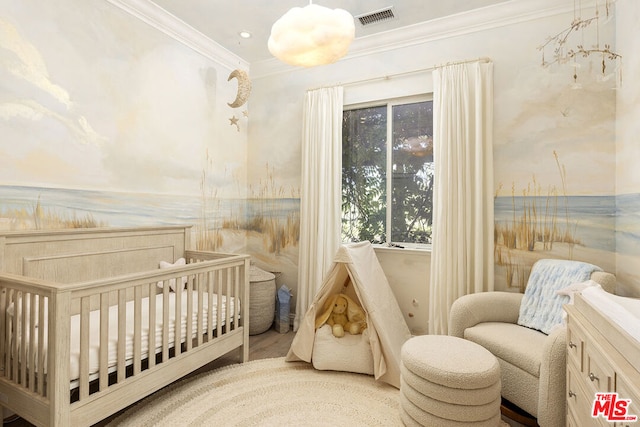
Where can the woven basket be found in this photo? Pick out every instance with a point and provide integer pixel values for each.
(262, 300)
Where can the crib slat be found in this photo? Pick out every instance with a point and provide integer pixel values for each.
(41, 347)
(84, 347)
(104, 341)
(12, 336)
(165, 321)
(33, 330)
(227, 300)
(188, 315)
(210, 306)
(178, 322)
(137, 329)
(23, 339)
(152, 323)
(122, 334)
(22, 325)
(199, 326)
(4, 328)
(12, 355)
(236, 299)
(219, 307)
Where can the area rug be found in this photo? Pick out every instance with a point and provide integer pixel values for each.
(269, 392)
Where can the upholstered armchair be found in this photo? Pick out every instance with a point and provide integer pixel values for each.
(532, 362)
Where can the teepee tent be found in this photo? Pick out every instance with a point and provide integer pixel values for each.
(357, 273)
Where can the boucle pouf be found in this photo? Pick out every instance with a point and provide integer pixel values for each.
(478, 396)
(450, 411)
(262, 300)
(450, 361)
(411, 415)
(449, 381)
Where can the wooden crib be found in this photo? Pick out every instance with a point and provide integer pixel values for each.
(77, 341)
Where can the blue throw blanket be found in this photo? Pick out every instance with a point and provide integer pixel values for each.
(541, 306)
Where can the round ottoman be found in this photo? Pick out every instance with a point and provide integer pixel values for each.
(448, 381)
(262, 300)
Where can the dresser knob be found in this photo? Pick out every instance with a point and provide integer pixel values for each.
(572, 345)
(593, 377)
(571, 394)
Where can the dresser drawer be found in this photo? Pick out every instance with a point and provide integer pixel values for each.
(575, 345)
(579, 401)
(598, 373)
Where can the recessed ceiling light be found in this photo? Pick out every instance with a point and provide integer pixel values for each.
(245, 34)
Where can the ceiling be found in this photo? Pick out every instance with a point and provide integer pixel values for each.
(222, 21)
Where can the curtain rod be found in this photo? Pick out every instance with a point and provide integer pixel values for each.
(406, 73)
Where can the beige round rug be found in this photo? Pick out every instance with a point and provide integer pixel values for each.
(269, 392)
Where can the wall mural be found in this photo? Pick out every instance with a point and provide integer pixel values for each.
(560, 202)
(108, 122)
(555, 162)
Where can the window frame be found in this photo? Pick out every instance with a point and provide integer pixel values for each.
(390, 103)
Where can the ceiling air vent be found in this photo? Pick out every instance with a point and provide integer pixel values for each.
(376, 16)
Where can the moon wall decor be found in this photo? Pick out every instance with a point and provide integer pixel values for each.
(244, 87)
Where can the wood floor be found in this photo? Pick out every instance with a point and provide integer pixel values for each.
(263, 346)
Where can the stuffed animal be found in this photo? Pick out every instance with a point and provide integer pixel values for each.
(343, 315)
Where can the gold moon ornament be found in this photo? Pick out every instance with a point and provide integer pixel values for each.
(244, 87)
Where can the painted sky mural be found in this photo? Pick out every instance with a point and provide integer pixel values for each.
(109, 104)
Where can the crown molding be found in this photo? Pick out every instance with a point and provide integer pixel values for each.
(486, 18)
(157, 17)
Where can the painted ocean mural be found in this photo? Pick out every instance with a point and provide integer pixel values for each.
(628, 224)
(579, 220)
(592, 229)
(276, 220)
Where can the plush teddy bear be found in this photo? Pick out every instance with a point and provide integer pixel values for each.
(344, 315)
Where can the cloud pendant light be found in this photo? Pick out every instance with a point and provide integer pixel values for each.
(311, 35)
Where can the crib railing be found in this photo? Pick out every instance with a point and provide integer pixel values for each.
(36, 332)
(20, 338)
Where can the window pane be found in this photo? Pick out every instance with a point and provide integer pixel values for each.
(412, 180)
(364, 134)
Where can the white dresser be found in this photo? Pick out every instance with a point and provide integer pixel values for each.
(601, 357)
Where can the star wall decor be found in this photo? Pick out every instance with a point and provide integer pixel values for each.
(234, 121)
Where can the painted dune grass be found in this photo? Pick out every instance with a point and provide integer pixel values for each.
(263, 214)
(540, 221)
(36, 217)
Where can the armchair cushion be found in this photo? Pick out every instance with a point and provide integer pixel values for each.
(541, 307)
(472, 309)
(498, 338)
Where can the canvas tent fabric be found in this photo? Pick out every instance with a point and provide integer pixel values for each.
(357, 273)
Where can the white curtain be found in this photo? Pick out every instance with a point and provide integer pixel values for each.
(320, 193)
(462, 252)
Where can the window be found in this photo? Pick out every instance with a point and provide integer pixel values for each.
(387, 172)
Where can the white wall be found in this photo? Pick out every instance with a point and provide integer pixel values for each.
(408, 273)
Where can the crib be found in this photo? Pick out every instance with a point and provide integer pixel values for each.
(91, 324)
